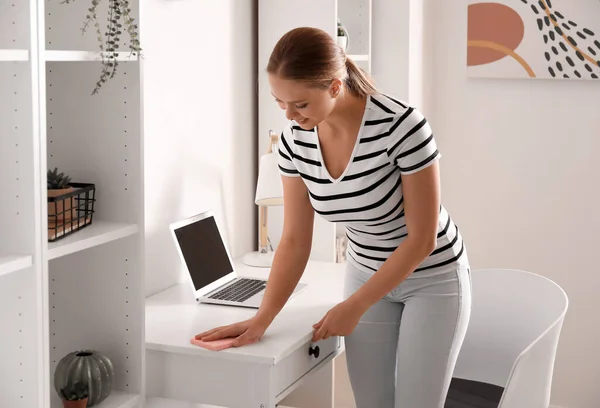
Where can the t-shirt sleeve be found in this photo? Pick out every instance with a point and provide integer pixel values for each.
(286, 154)
(411, 144)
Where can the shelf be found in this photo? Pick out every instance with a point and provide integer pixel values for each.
(117, 399)
(14, 263)
(55, 55)
(120, 400)
(362, 57)
(100, 232)
(171, 403)
(14, 55)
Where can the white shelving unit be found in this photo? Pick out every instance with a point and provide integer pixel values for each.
(100, 232)
(14, 55)
(14, 263)
(21, 304)
(95, 276)
(359, 57)
(68, 55)
(85, 290)
(356, 17)
(122, 400)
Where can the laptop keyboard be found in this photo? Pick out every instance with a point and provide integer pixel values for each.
(241, 290)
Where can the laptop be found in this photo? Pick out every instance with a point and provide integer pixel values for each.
(210, 270)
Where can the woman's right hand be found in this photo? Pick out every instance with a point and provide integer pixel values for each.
(246, 332)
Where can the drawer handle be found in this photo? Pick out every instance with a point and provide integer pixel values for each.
(314, 351)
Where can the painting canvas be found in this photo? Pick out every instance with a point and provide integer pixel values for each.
(556, 39)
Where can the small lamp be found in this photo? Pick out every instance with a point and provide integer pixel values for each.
(269, 192)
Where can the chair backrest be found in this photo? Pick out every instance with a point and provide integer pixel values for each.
(513, 333)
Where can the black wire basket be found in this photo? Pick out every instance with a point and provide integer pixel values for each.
(70, 210)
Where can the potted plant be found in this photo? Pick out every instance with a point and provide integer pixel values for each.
(342, 36)
(75, 395)
(70, 205)
(110, 36)
(58, 183)
(59, 211)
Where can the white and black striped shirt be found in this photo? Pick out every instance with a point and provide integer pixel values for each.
(394, 139)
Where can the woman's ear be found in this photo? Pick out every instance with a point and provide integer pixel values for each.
(336, 87)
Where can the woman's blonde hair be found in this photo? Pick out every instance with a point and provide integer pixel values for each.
(311, 55)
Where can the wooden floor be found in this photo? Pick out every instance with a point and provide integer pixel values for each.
(473, 394)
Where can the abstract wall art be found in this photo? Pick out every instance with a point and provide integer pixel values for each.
(556, 39)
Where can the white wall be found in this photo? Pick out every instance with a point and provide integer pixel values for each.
(520, 177)
(200, 126)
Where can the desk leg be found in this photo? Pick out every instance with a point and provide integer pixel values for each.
(316, 392)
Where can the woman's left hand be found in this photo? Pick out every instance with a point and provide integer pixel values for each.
(341, 320)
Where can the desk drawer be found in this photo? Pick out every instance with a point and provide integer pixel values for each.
(296, 365)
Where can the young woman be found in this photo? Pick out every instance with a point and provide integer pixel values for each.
(355, 155)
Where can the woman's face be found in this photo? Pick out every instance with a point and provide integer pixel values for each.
(308, 106)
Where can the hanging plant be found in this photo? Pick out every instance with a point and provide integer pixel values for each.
(118, 18)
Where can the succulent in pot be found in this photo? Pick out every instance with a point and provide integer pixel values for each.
(60, 210)
(59, 183)
(75, 395)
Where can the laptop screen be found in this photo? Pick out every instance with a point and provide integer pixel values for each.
(204, 251)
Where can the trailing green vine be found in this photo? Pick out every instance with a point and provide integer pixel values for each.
(118, 18)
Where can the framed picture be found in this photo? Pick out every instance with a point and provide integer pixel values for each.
(548, 39)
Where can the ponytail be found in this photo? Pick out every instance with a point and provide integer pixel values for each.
(358, 82)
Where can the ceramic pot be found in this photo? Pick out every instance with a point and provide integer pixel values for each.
(60, 210)
(88, 366)
(76, 404)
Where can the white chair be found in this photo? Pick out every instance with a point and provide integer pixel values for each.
(511, 341)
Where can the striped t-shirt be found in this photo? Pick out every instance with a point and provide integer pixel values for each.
(394, 139)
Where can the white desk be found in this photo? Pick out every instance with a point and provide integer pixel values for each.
(259, 375)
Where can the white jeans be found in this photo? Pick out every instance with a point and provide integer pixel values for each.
(403, 351)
